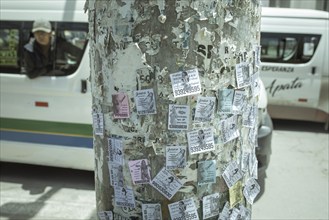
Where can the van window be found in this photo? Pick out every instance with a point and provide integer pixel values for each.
(288, 48)
(15, 34)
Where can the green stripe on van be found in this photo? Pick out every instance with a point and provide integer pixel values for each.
(74, 129)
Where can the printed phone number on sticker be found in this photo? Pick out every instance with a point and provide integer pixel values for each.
(185, 91)
(199, 148)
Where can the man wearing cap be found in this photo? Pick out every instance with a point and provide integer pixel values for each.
(39, 53)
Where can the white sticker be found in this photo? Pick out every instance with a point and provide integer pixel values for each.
(201, 141)
(120, 106)
(242, 71)
(185, 83)
(232, 174)
(225, 102)
(105, 215)
(229, 129)
(235, 214)
(251, 190)
(98, 123)
(152, 211)
(256, 83)
(249, 116)
(238, 101)
(175, 157)
(140, 171)
(166, 183)
(183, 209)
(145, 102)
(116, 174)
(210, 205)
(245, 213)
(115, 148)
(178, 117)
(206, 172)
(205, 108)
(124, 196)
(225, 214)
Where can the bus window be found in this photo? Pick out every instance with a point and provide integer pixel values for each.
(288, 48)
(9, 44)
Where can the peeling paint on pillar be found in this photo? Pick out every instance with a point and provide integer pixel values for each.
(136, 45)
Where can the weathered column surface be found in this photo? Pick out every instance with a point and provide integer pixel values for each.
(174, 86)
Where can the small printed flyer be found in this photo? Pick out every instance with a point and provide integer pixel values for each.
(145, 102)
(225, 102)
(235, 193)
(242, 71)
(229, 129)
(178, 117)
(206, 172)
(105, 215)
(175, 157)
(205, 109)
(166, 183)
(152, 211)
(116, 174)
(185, 83)
(210, 205)
(200, 141)
(232, 174)
(115, 147)
(120, 103)
(183, 209)
(238, 101)
(98, 123)
(124, 196)
(140, 171)
(251, 190)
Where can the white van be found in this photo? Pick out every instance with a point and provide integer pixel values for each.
(47, 120)
(294, 57)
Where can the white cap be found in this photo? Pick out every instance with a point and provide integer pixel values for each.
(41, 25)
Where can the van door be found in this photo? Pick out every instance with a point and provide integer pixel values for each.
(291, 68)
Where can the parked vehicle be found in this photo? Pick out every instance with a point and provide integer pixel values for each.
(295, 66)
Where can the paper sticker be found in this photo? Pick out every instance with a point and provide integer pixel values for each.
(115, 147)
(238, 101)
(245, 213)
(245, 161)
(124, 196)
(256, 83)
(116, 174)
(205, 108)
(98, 123)
(235, 214)
(253, 166)
(210, 205)
(166, 183)
(232, 174)
(236, 195)
(251, 190)
(242, 71)
(178, 117)
(206, 172)
(249, 116)
(225, 102)
(152, 211)
(185, 83)
(183, 209)
(140, 171)
(175, 157)
(120, 106)
(229, 129)
(105, 215)
(145, 102)
(225, 214)
(200, 141)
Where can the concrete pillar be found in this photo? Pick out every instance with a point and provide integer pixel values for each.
(174, 106)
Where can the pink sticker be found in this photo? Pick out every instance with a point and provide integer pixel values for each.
(140, 171)
(120, 105)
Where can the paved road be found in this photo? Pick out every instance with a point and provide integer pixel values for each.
(296, 187)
